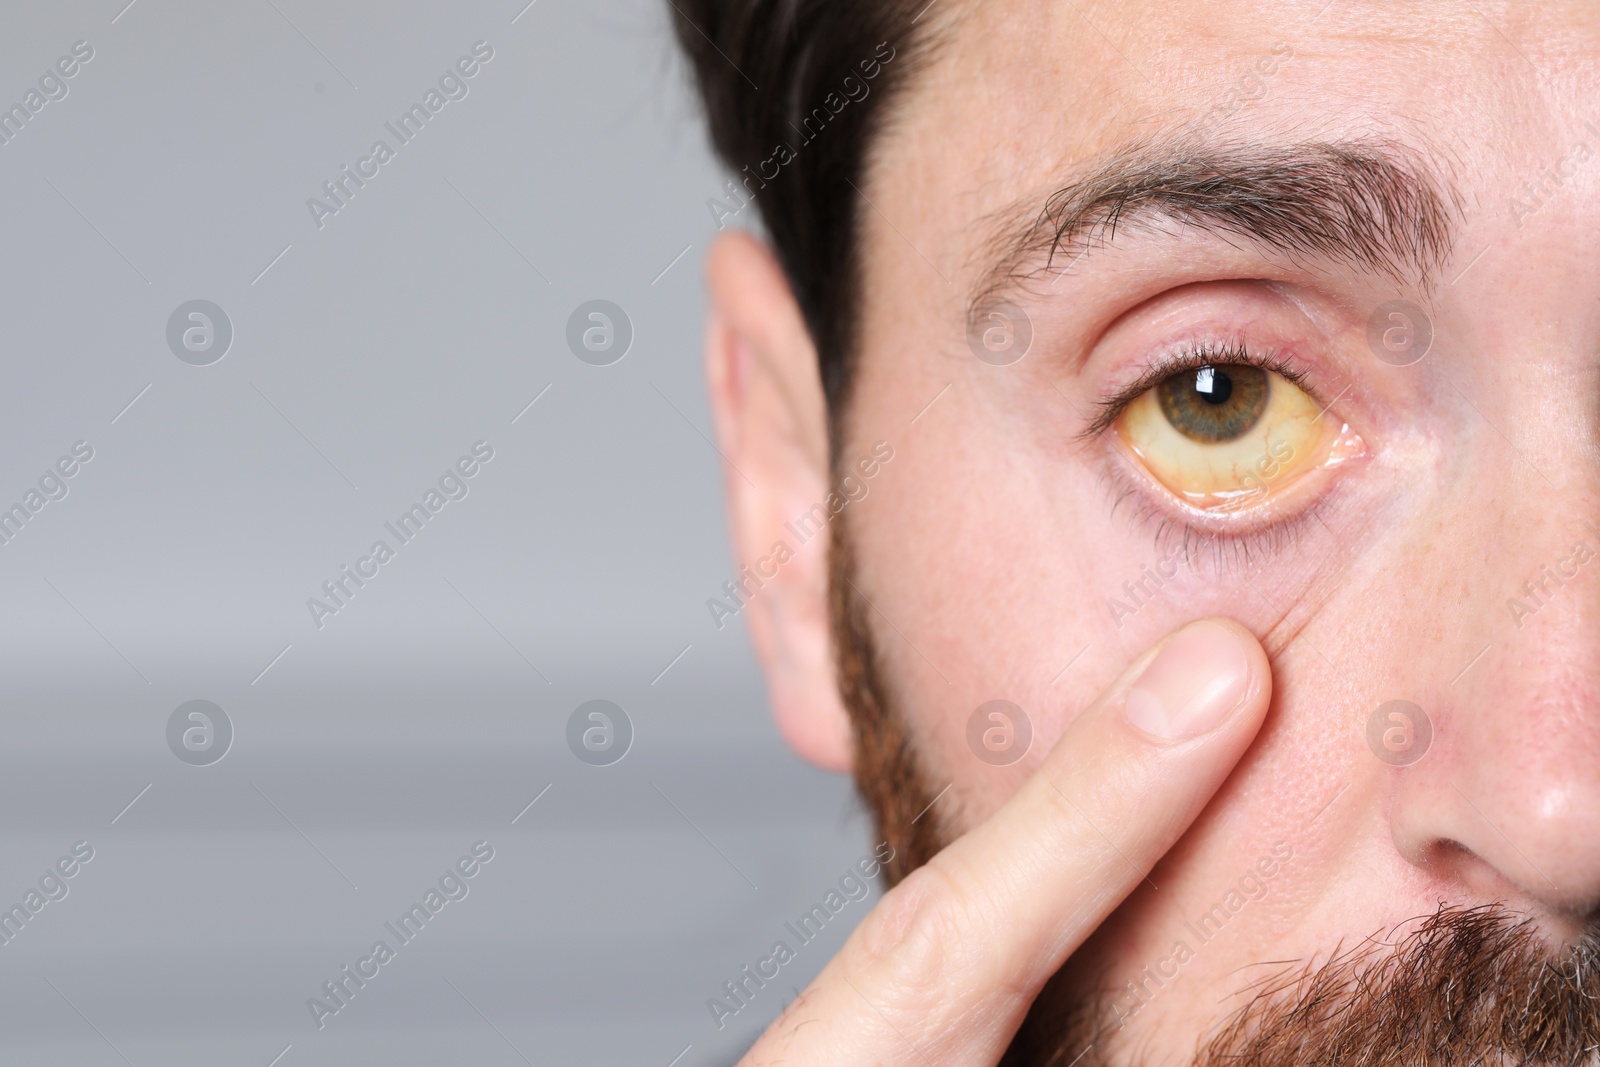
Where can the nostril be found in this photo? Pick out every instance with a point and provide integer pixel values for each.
(1504, 809)
(1448, 851)
(1451, 858)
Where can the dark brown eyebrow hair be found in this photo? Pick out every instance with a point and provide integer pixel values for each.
(1370, 204)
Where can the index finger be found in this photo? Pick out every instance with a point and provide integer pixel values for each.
(944, 968)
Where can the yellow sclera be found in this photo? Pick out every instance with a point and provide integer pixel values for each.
(1290, 438)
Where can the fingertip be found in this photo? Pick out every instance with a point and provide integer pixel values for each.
(1202, 679)
(1258, 694)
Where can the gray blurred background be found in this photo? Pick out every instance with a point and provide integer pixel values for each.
(368, 354)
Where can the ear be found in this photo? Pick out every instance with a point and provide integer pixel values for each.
(771, 422)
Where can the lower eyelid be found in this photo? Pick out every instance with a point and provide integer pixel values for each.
(1238, 536)
(1202, 544)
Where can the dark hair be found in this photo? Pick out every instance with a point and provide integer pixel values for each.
(772, 76)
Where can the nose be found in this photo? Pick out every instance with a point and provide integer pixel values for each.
(1507, 799)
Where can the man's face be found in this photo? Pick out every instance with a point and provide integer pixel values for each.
(1424, 532)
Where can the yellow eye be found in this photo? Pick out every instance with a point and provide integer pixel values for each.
(1227, 435)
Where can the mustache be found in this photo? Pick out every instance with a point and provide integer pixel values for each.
(1464, 986)
(1467, 986)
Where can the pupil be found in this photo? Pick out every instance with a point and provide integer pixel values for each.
(1213, 384)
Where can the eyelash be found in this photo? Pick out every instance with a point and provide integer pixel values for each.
(1191, 358)
(1230, 549)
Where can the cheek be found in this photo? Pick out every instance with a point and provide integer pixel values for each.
(984, 567)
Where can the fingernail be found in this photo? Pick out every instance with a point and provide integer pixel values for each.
(1195, 682)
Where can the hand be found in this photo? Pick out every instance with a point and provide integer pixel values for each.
(944, 969)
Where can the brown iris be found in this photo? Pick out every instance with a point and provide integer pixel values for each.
(1217, 402)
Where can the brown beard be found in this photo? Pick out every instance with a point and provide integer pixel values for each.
(1464, 987)
(888, 776)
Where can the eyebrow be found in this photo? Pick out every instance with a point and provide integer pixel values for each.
(1373, 205)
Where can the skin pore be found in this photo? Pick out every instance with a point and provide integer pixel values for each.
(993, 557)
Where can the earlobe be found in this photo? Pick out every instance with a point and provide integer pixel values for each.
(771, 423)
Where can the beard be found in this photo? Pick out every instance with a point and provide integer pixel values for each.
(1467, 986)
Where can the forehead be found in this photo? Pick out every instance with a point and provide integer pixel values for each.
(1016, 94)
